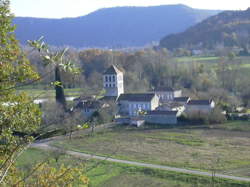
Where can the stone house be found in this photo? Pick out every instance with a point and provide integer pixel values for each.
(200, 106)
(89, 107)
(161, 117)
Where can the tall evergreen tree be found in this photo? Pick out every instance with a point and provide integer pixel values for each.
(60, 97)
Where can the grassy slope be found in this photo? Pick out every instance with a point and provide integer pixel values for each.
(225, 148)
(105, 174)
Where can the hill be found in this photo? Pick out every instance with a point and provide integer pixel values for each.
(112, 27)
(229, 28)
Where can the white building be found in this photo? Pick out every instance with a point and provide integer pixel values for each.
(113, 82)
(200, 106)
(166, 94)
(133, 104)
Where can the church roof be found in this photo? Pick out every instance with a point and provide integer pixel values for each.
(137, 97)
(112, 70)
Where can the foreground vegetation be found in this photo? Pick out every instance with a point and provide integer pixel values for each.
(223, 148)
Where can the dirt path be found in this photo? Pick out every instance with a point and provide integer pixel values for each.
(45, 146)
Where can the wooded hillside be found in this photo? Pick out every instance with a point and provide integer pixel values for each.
(230, 28)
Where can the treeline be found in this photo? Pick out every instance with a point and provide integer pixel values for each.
(225, 80)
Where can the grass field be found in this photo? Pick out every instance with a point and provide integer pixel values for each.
(197, 59)
(211, 61)
(43, 93)
(224, 148)
(105, 174)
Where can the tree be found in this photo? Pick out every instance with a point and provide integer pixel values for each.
(17, 111)
(19, 116)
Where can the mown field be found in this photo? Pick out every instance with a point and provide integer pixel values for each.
(222, 148)
(105, 174)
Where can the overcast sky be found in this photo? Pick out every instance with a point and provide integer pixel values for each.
(74, 8)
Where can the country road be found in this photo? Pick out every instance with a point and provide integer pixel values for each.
(46, 146)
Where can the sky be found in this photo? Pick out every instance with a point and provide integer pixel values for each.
(75, 8)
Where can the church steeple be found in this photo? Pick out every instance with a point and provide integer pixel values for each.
(113, 81)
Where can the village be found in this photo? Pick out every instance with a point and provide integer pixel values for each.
(162, 105)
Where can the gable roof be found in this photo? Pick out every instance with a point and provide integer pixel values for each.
(181, 99)
(112, 70)
(158, 112)
(136, 97)
(108, 98)
(200, 102)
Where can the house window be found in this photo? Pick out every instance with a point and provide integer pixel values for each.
(110, 85)
(106, 78)
(113, 78)
(109, 78)
(113, 85)
(106, 85)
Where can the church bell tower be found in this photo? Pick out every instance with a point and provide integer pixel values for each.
(113, 82)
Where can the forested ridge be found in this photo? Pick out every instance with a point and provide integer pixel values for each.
(229, 29)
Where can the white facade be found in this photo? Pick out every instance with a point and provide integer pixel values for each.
(113, 84)
(133, 108)
(136, 107)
